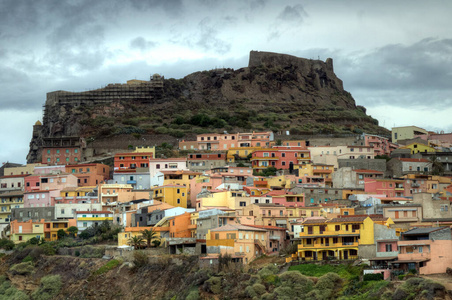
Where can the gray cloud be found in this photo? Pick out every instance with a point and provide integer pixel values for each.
(294, 13)
(287, 19)
(141, 44)
(208, 39)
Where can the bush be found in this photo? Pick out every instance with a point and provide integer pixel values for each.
(8, 291)
(6, 244)
(370, 277)
(293, 285)
(27, 258)
(213, 285)
(268, 270)
(193, 295)
(107, 267)
(140, 259)
(92, 252)
(24, 268)
(33, 241)
(49, 289)
(47, 249)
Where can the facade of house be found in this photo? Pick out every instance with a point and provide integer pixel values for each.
(89, 174)
(132, 160)
(406, 132)
(426, 250)
(89, 218)
(8, 202)
(235, 239)
(61, 151)
(279, 159)
(205, 161)
(139, 180)
(175, 195)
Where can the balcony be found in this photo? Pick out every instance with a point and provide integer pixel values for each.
(274, 237)
(317, 171)
(328, 245)
(109, 195)
(329, 233)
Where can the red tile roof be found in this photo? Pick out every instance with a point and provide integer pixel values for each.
(368, 171)
(414, 160)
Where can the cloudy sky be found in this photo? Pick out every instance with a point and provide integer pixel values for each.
(395, 57)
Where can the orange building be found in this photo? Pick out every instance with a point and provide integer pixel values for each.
(132, 160)
(179, 226)
(89, 174)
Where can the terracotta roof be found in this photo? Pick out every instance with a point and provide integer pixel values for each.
(94, 212)
(357, 218)
(15, 176)
(368, 171)
(314, 221)
(414, 160)
(168, 159)
(268, 227)
(181, 172)
(231, 227)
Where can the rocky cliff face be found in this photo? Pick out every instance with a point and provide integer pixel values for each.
(275, 92)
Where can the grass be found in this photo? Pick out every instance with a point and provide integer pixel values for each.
(107, 267)
(345, 271)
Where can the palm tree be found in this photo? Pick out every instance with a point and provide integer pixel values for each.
(149, 235)
(136, 241)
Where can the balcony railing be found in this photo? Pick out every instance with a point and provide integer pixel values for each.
(330, 233)
(330, 245)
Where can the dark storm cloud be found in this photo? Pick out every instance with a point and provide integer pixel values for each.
(423, 65)
(208, 39)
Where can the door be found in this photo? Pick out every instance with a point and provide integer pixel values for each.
(345, 254)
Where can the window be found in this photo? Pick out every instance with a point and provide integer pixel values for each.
(388, 248)
(157, 166)
(67, 150)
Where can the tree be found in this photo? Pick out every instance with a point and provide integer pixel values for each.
(61, 234)
(149, 235)
(72, 231)
(136, 242)
(437, 166)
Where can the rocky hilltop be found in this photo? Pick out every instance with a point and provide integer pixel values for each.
(275, 92)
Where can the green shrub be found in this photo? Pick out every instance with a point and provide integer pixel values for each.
(8, 291)
(293, 285)
(193, 295)
(213, 285)
(107, 267)
(6, 244)
(27, 259)
(33, 241)
(24, 268)
(268, 270)
(49, 288)
(47, 249)
(259, 289)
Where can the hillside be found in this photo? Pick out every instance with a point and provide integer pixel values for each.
(29, 274)
(275, 92)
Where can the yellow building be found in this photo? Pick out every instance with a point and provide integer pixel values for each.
(175, 195)
(240, 153)
(23, 231)
(145, 150)
(109, 193)
(418, 148)
(9, 201)
(238, 240)
(338, 238)
(77, 191)
(227, 199)
(406, 133)
(317, 170)
(130, 232)
(22, 170)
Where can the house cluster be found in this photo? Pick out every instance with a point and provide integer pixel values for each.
(382, 199)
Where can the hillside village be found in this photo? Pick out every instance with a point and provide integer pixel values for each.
(381, 200)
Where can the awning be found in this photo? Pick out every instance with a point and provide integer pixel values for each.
(383, 258)
(283, 222)
(409, 261)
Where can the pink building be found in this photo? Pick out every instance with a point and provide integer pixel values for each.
(280, 159)
(427, 250)
(49, 169)
(40, 198)
(217, 141)
(58, 181)
(32, 183)
(388, 187)
(381, 145)
(289, 199)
